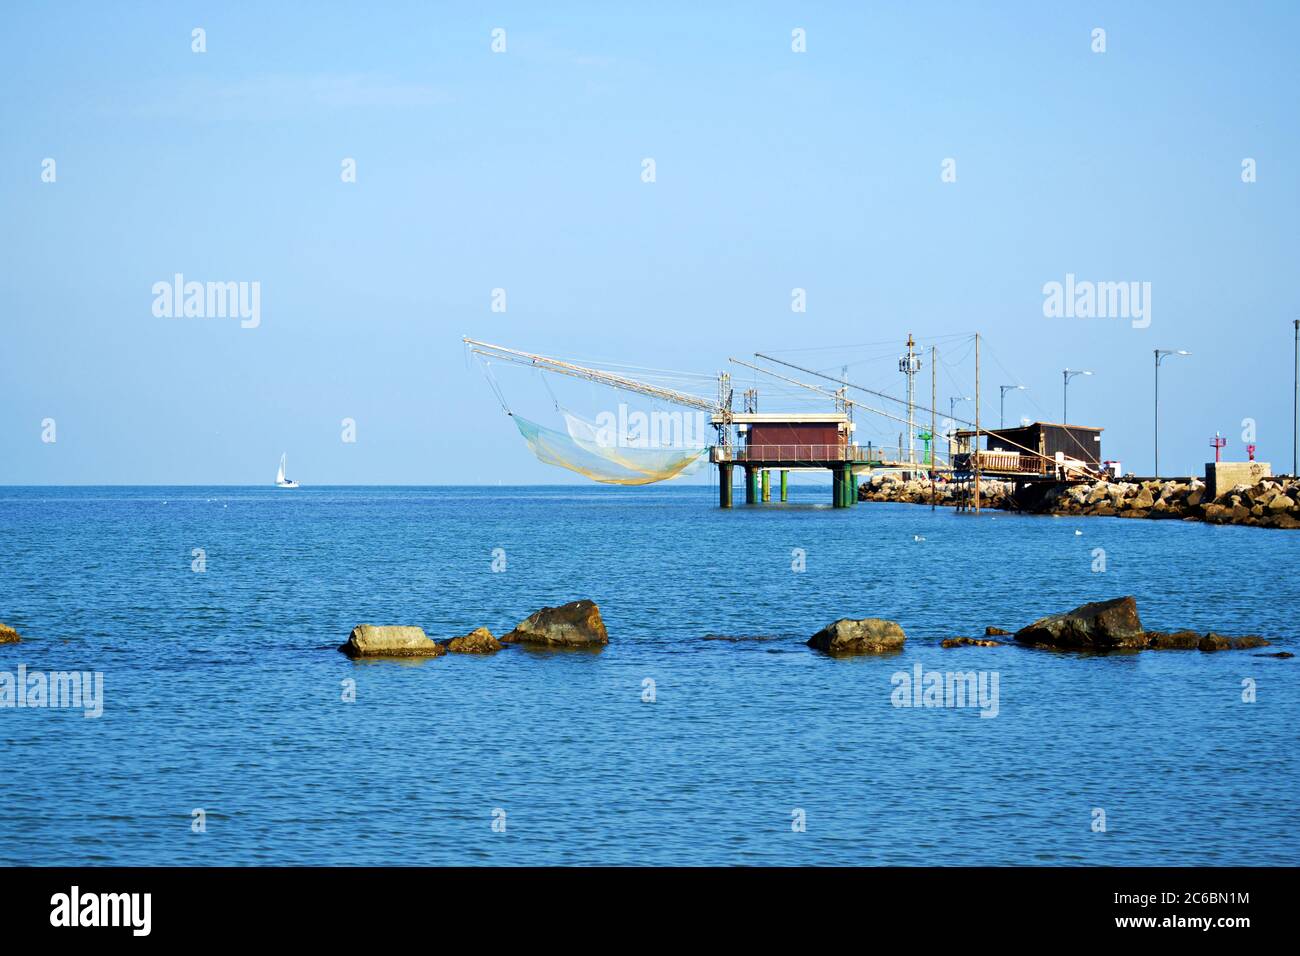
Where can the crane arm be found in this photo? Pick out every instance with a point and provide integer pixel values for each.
(561, 367)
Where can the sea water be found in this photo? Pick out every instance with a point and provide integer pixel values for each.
(233, 732)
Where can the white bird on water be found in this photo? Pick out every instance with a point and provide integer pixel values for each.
(917, 537)
(1077, 531)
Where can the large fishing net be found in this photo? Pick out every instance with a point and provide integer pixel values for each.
(583, 451)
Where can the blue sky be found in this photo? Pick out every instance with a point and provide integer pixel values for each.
(522, 170)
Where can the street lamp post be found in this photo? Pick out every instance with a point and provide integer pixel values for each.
(1065, 393)
(1160, 354)
(1002, 401)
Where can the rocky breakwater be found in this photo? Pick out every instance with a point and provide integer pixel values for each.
(870, 635)
(892, 486)
(1269, 503)
(1115, 625)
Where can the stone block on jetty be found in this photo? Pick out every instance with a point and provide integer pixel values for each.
(1100, 626)
(1222, 476)
(8, 635)
(576, 624)
(392, 640)
(477, 641)
(870, 635)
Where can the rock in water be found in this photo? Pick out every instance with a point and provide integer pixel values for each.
(391, 640)
(871, 635)
(1217, 642)
(1177, 641)
(576, 624)
(477, 641)
(1101, 626)
(8, 635)
(969, 642)
(1249, 641)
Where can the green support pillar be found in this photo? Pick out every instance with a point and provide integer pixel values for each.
(750, 485)
(837, 487)
(784, 476)
(767, 485)
(724, 485)
(853, 488)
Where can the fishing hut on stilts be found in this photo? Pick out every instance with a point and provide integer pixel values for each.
(762, 443)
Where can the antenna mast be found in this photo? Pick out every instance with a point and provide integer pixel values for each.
(909, 365)
(725, 394)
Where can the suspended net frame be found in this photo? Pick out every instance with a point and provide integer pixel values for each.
(609, 465)
(591, 451)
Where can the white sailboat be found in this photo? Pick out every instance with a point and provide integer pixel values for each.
(280, 480)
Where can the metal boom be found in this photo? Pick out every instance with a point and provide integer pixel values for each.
(561, 367)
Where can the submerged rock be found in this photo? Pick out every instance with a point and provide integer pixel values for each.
(477, 641)
(391, 640)
(1176, 641)
(576, 624)
(1281, 654)
(971, 641)
(1102, 625)
(8, 635)
(1218, 642)
(1249, 641)
(870, 635)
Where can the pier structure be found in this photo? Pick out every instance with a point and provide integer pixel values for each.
(1036, 450)
(1029, 454)
(786, 442)
(759, 443)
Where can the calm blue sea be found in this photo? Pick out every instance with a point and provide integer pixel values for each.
(223, 689)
